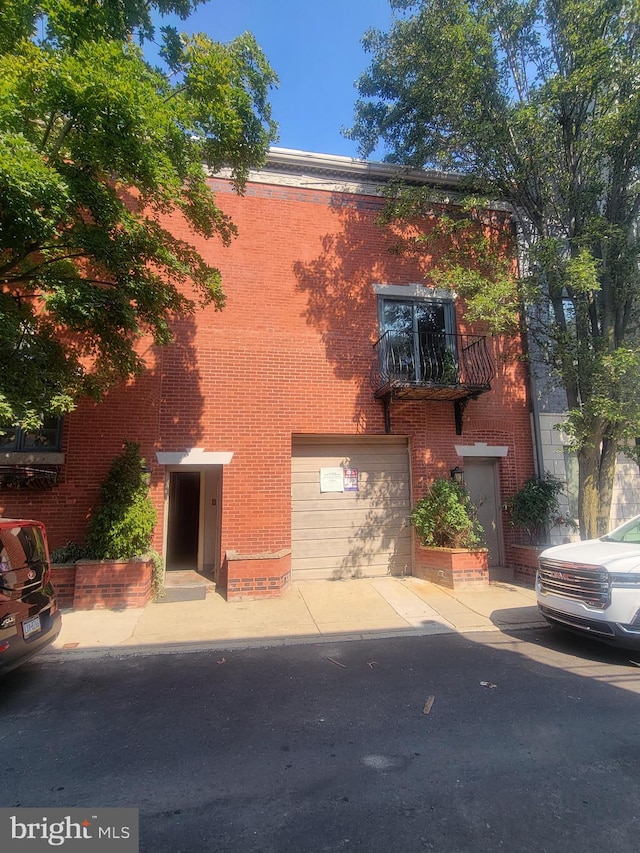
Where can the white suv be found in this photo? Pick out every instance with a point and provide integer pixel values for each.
(594, 586)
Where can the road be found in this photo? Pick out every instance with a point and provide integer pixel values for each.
(326, 747)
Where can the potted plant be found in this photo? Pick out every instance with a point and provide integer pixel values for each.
(535, 508)
(451, 550)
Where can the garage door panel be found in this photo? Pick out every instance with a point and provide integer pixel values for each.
(351, 520)
(301, 478)
(347, 534)
(351, 551)
(359, 566)
(386, 465)
(343, 501)
(395, 463)
(365, 491)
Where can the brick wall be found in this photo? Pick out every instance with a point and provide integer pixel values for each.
(103, 584)
(451, 567)
(255, 576)
(292, 352)
(525, 562)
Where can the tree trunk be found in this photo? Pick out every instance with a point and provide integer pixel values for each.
(596, 470)
(605, 492)
(588, 498)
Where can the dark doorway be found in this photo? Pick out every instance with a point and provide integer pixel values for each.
(184, 520)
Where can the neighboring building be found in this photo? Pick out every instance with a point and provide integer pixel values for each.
(549, 405)
(291, 433)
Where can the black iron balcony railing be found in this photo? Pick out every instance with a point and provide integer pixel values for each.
(431, 366)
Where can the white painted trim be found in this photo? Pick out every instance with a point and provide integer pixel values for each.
(414, 291)
(480, 448)
(194, 456)
(290, 167)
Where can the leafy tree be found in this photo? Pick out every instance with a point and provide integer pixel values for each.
(97, 147)
(538, 102)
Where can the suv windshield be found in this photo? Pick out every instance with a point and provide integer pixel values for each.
(629, 532)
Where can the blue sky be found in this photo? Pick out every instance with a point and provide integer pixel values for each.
(315, 48)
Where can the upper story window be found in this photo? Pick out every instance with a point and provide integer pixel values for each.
(46, 439)
(418, 337)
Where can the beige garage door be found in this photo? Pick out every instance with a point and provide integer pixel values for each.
(354, 523)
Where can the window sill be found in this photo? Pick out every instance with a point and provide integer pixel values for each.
(32, 457)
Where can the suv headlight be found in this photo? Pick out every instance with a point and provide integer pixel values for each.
(626, 581)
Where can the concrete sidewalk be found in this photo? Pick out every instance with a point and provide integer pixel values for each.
(310, 611)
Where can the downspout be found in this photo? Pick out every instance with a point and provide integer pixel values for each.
(534, 415)
(532, 388)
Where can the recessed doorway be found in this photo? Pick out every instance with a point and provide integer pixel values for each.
(183, 529)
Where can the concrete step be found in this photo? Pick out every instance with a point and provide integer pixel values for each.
(185, 585)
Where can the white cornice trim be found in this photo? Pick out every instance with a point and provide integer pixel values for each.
(414, 291)
(289, 167)
(480, 448)
(194, 456)
(364, 169)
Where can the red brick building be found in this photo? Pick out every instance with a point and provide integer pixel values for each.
(290, 434)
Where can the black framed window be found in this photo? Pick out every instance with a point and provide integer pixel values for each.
(419, 339)
(45, 439)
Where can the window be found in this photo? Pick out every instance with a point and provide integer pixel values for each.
(419, 343)
(46, 438)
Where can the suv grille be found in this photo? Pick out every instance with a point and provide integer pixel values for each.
(588, 584)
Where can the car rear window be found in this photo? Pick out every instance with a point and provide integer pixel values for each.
(21, 546)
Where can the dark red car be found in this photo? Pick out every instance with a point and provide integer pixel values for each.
(29, 615)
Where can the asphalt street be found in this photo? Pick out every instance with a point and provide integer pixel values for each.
(447, 743)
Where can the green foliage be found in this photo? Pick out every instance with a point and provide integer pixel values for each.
(535, 104)
(68, 553)
(474, 248)
(122, 525)
(536, 507)
(445, 517)
(157, 577)
(98, 146)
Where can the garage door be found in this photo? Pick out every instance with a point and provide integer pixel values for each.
(350, 507)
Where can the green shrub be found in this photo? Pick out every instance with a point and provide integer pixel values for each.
(157, 577)
(446, 518)
(68, 553)
(536, 507)
(122, 525)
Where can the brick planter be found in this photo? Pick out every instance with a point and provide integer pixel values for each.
(452, 567)
(103, 584)
(63, 576)
(524, 559)
(265, 575)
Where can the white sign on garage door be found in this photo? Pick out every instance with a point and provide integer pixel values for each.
(358, 532)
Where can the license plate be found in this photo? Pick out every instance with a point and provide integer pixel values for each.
(31, 626)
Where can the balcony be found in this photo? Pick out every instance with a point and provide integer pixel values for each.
(432, 367)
